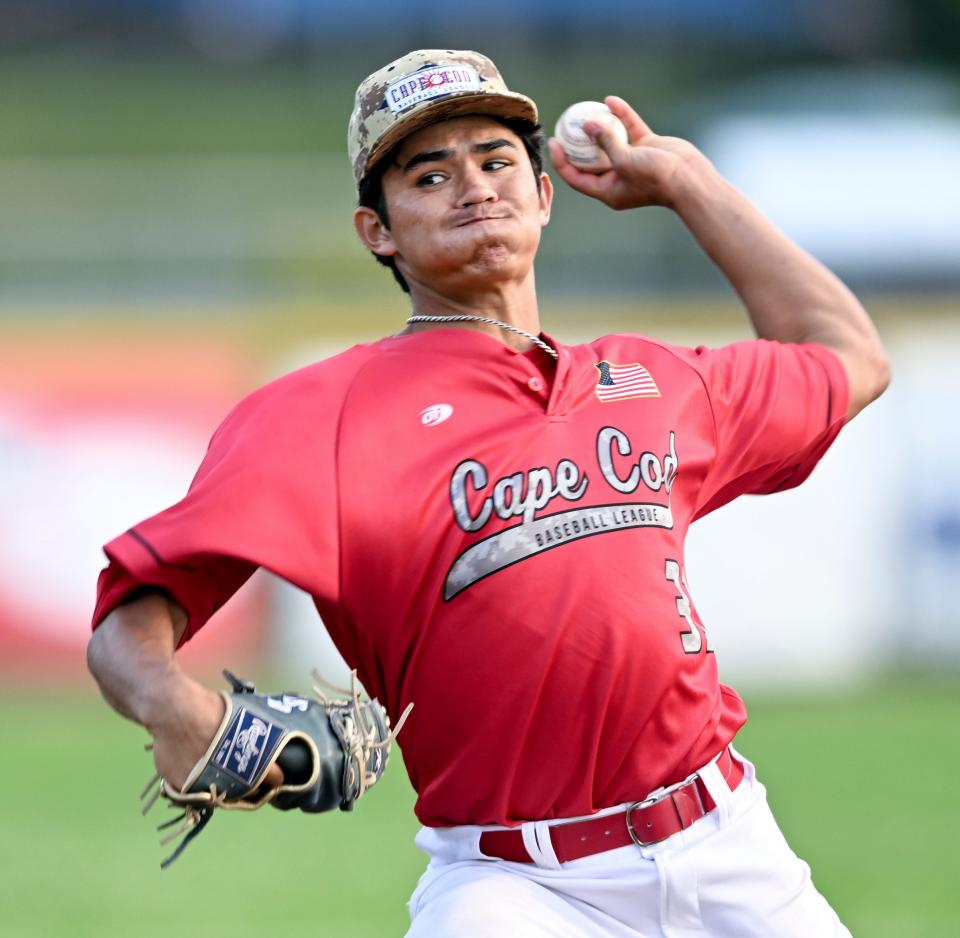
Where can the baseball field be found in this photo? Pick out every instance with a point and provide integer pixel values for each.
(864, 784)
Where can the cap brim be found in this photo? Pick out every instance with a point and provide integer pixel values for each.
(505, 104)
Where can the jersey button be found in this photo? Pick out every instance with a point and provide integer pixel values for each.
(535, 384)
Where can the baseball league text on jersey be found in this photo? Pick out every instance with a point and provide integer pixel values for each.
(491, 524)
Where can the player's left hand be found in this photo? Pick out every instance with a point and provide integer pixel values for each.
(647, 170)
(281, 749)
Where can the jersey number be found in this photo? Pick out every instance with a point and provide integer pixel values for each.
(693, 637)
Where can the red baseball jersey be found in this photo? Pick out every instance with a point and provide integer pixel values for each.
(503, 549)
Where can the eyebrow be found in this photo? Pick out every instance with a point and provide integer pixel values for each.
(435, 156)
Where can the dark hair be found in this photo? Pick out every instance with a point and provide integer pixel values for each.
(370, 190)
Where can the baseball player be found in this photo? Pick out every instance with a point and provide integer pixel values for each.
(491, 524)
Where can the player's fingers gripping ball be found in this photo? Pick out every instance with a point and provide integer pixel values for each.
(581, 149)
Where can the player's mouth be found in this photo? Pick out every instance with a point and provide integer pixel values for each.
(479, 219)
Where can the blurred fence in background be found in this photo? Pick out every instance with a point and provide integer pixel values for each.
(175, 207)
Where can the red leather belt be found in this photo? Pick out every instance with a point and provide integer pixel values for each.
(644, 822)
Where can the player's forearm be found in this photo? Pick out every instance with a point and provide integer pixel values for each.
(131, 656)
(789, 295)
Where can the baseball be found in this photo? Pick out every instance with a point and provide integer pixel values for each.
(577, 144)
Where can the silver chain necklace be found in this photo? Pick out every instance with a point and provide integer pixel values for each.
(493, 322)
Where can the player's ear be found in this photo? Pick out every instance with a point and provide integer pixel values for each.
(546, 198)
(373, 232)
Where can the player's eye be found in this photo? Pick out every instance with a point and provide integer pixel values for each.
(430, 179)
(495, 164)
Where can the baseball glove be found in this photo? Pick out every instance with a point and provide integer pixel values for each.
(330, 751)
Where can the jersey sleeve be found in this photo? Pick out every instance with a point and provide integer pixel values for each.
(776, 409)
(265, 495)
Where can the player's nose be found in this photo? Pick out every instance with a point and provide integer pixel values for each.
(475, 186)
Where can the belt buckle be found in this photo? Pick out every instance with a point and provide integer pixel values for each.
(636, 806)
(669, 792)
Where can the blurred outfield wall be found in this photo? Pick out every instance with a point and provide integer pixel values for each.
(856, 571)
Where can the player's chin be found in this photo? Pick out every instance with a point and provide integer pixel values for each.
(494, 252)
(496, 263)
(487, 251)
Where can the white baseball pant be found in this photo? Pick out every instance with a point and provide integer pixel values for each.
(730, 874)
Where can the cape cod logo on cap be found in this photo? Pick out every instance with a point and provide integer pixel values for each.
(431, 81)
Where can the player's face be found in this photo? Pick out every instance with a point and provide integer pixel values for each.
(464, 206)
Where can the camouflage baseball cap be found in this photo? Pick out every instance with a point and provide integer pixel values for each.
(422, 88)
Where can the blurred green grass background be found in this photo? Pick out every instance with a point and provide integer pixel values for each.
(862, 782)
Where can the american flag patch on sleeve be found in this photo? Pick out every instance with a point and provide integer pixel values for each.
(620, 382)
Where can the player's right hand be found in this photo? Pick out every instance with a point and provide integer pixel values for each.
(647, 170)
